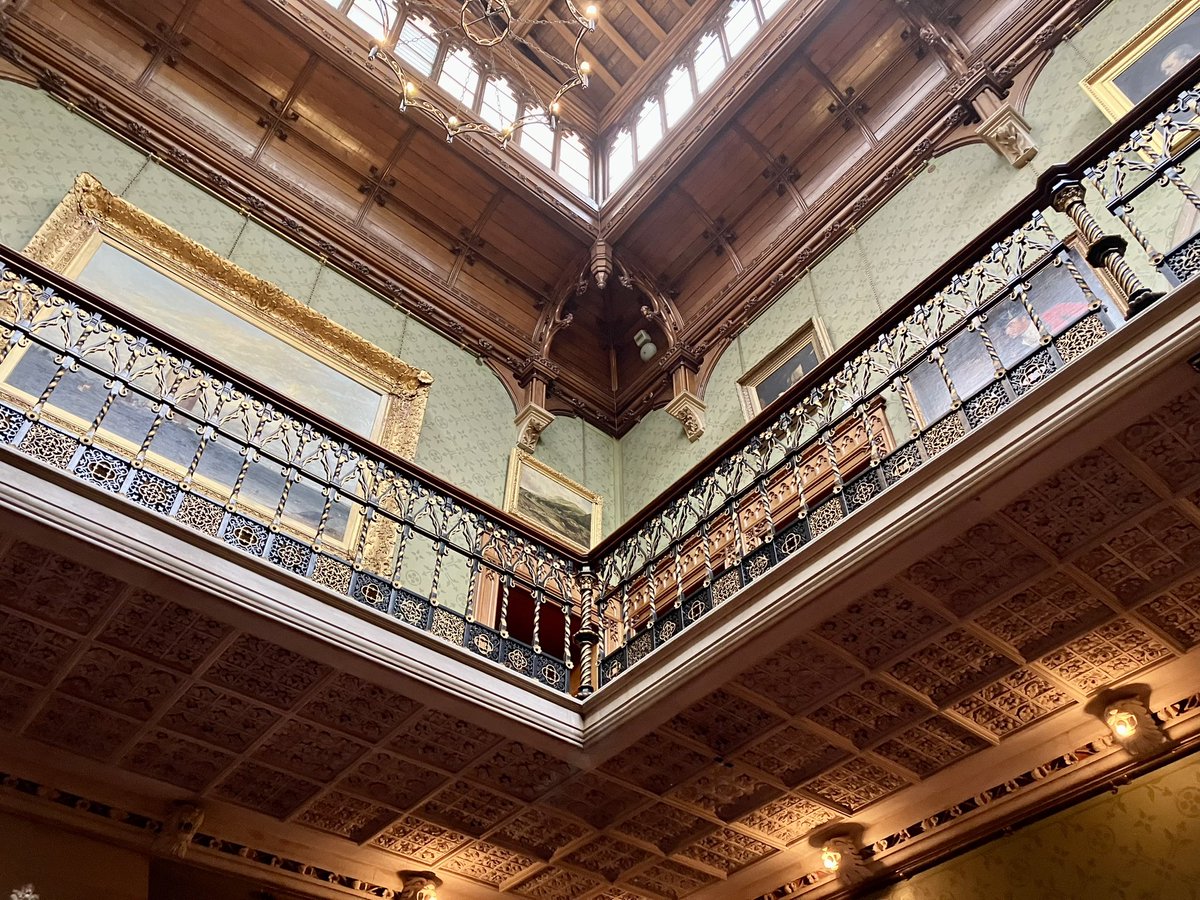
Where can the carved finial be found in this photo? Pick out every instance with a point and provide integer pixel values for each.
(602, 262)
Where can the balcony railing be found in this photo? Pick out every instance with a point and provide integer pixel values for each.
(92, 391)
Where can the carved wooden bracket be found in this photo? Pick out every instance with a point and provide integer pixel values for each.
(689, 410)
(531, 421)
(1007, 132)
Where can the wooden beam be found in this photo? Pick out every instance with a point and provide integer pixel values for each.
(597, 67)
(643, 15)
(610, 31)
(528, 17)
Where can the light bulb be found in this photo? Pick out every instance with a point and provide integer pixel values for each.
(452, 121)
(410, 88)
(592, 11)
(585, 67)
(831, 859)
(1122, 724)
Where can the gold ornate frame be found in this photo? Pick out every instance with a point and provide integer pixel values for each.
(520, 459)
(90, 215)
(1100, 84)
(811, 332)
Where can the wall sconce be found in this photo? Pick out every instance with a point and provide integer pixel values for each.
(841, 855)
(1133, 726)
(647, 349)
(418, 885)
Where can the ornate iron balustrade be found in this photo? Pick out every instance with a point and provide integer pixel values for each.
(944, 362)
(121, 407)
(176, 433)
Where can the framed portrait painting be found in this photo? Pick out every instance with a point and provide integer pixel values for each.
(783, 367)
(551, 502)
(1145, 61)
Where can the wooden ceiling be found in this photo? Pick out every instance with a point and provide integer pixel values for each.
(273, 104)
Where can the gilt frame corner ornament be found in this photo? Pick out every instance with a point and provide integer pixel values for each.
(90, 214)
(811, 332)
(1109, 84)
(521, 461)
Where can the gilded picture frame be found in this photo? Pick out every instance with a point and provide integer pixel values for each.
(767, 380)
(551, 502)
(1146, 60)
(91, 217)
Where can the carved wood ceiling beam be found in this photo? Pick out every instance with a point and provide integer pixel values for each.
(536, 10)
(375, 190)
(598, 67)
(274, 126)
(781, 172)
(845, 100)
(470, 244)
(168, 43)
(643, 15)
(630, 52)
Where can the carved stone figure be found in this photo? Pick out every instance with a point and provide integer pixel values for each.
(1007, 132)
(178, 830)
(418, 886)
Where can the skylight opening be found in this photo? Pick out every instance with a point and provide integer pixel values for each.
(537, 139)
(459, 78)
(374, 17)
(620, 159)
(709, 62)
(499, 107)
(418, 45)
(741, 25)
(649, 129)
(677, 95)
(770, 7)
(575, 162)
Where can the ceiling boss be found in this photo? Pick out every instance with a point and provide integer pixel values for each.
(490, 26)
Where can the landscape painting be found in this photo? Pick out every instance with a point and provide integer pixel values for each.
(552, 502)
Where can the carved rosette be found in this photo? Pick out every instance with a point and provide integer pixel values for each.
(689, 410)
(1007, 132)
(531, 421)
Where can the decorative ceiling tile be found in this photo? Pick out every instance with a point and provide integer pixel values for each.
(350, 817)
(265, 790)
(868, 711)
(421, 841)
(608, 856)
(656, 763)
(487, 863)
(723, 722)
(855, 784)
(358, 707)
(1012, 702)
(799, 676)
(1085, 499)
(955, 664)
(219, 717)
(265, 672)
(1044, 615)
(538, 832)
(465, 807)
(309, 751)
(441, 740)
(665, 827)
(792, 755)
(1168, 441)
(726, 792)
(48, 587)
(619, 893)
(31, 650)
(976, 567)
(594, 799)
(1176, 612)
(1109, 653)
(79, 727)
(390, 779)
(165, 632)
(16, 700)
(1160, 548)
(930, 746)
(877, 627)
(557, 884)
(169, 757)
(672, 879)
(787, 819)
(520, 771)
(726, 850)
(119, 682)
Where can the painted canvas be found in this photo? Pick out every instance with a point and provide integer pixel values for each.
(552, 502)
(784, 367)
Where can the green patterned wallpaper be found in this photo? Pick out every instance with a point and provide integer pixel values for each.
(468, 429)
(1142, 843)
(945, 205)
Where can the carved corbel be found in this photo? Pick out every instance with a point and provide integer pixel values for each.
(689, 410)
(178, 829)
(418, 885)
(1007, 132)
(841, 852)
(1132, 724)
(531, 421)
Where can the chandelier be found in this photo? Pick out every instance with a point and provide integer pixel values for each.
(490, 24)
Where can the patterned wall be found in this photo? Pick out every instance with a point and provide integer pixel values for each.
(468, 425)
(1139, 844)
(947, 203)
